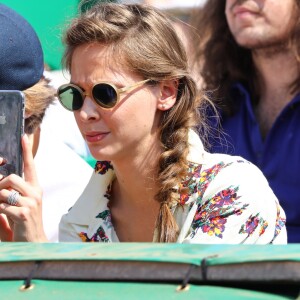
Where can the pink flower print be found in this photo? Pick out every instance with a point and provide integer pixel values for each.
(215, 227)
(225, 197)
(183, 199)
(252, 223)
(102, 167)
(97, 237)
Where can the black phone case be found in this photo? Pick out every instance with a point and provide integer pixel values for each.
(12, 105)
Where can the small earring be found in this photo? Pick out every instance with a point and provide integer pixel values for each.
(163, 106)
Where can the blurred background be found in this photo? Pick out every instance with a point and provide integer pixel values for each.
(49, 18)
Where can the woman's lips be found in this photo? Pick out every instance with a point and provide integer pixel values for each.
(243, 11)
(95, 136)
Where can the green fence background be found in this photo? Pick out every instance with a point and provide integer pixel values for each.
(49, 19)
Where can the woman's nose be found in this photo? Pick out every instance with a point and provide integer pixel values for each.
(89, 110)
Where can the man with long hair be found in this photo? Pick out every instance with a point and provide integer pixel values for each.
(249, 58)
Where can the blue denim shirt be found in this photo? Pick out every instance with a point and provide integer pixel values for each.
(278, 156)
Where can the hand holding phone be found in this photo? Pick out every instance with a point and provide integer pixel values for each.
(12, 105)
(25, 217)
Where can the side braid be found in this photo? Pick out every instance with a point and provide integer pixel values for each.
(173, 164)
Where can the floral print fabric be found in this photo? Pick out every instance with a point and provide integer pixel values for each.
(228, 200)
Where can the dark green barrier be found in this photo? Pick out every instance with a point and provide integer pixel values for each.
(148, 271)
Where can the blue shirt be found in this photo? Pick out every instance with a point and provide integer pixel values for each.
(278, 156)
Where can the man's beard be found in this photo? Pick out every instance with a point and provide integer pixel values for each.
(272, 49)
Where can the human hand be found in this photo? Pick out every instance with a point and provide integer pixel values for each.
(25, 215)
(6, 234)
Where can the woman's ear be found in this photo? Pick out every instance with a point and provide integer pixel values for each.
(27, 115)
(168, 94)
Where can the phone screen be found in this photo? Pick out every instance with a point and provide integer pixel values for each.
(11, 130)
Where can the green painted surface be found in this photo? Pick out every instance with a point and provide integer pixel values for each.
(181, 253)
(44, 290)
(48, 18)
(91, 161)
(178, 253)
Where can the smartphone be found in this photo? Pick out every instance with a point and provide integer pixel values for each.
(12, 107)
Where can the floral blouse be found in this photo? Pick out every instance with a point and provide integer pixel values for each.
(228, 201)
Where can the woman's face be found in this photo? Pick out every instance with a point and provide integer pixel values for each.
(130, 128)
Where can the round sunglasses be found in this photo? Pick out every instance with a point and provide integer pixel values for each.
(106, 95)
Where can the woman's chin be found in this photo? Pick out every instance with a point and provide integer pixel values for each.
(101, 156)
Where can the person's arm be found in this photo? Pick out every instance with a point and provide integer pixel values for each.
(238, 207)
(25, 217)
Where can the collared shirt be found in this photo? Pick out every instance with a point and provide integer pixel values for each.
(228, 201)
(278, 156)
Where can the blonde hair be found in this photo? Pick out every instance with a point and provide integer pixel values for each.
(148, 45)
(38, 98)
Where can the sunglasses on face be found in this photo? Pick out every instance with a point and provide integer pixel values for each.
(104, 94)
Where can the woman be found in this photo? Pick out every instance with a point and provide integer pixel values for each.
(135, 104)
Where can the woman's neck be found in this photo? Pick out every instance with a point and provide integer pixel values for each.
(134, 178)
(133, 206)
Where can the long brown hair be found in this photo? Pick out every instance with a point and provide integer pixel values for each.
(221, 60)
(147, 44)
(38, 99)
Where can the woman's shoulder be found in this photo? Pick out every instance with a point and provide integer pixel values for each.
(216, 158)
(231, 201)
(219, 174)
(198, 155)
(229, 164)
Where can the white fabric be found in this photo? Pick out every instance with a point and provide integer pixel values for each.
(63, 175)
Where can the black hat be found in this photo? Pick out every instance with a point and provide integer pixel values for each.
(21, 54)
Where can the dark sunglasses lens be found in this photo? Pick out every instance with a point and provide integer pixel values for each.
(70, 97)
(105, 95)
